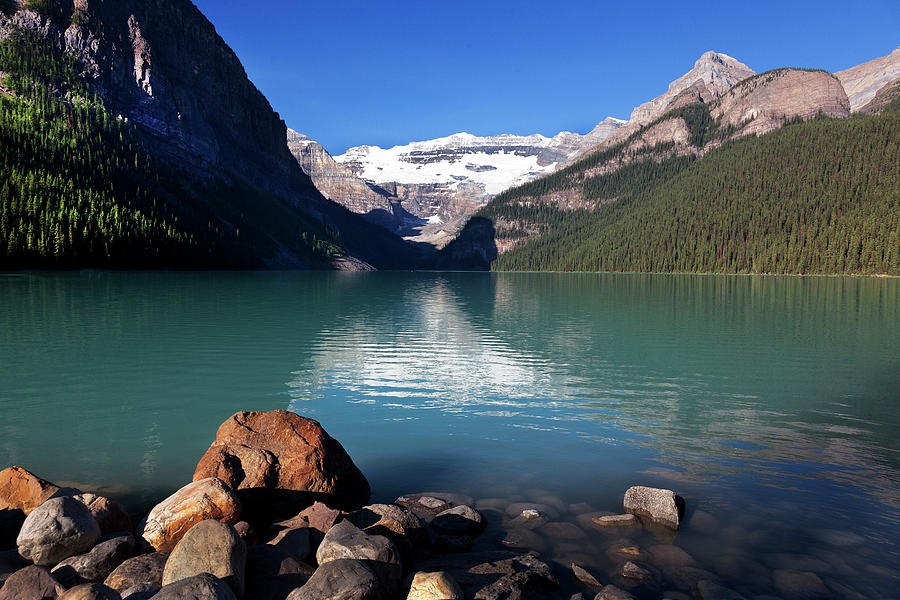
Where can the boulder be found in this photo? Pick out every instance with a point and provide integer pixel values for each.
(799, 585)
(271, 575)
(611, 592)
(111, 515)
(320, 518)
(398, 524)
(661, 506)
(172, 518)
(346, 540)
(141, 591)
(280, 450)
(497, 574)
(96, 565)
(23, 490)
(91, 591)
(209, 547)
(459, 520)
(147, 568)
(344, 579)
(31, 582)
(433, 586)
(57, 529)
(198, 587)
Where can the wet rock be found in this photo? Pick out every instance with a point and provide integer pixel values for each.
(459, 520)
(209, 547)
(91, 591)
(740, 567)
(684, 578)
(198, 587)
(142, 591)
(433, 586)
(523, 538)
(110, 515)
(666, 556)
(423, 505)
(147, 568)
(452, 497)
(271, 575)
(498, 504)
(562, 531)
(22, 490)
(662, 506)
(497, 574)
(343, 579)
(398, 524)
(839, 538)
(346, 540)
(57, 529)
(586, 522)
(616, 521)
(632, 570)
(625, 550)
(172, 518)
(584, 576)
(280, 450)
(31, 582)
(795, 562)
(703, 522)
(554, 501)
(611, 592)
(96, 565)
(580, 508)
(710, 590)
(529, 519)
(516, 508)
(799, 585)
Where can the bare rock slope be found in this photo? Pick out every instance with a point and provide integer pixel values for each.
(863, 81)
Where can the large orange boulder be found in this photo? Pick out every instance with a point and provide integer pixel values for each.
(168, 521)
(282, 451)
(23, 490)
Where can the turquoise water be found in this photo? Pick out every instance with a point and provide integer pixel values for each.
(770, 404)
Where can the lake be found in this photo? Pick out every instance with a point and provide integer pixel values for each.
(771, 404)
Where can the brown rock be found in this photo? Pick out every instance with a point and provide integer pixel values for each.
(631, 570)
(398, 524)
(585, 576)
(293, 541)
(611, 592)
(147, 568)
(96, 565)
(91, 591)
(31, 582)
(199, 501)
(423, 504)
(800, 585)
(23, 490)
(320, 519)
(433, 586)
(615, 521)
(111, 515)
(668, 556)
(284, 451)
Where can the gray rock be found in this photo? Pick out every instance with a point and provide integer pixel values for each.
(585, 576)
(198, 587)
(346, 540)
(562, 531)
(632, 570)
(96, 565)
(343, 579)
(147, 568)
(710, 590)
(209, 547)
(272, 575)
(423, 505)
(611, 592)
(459, 520)
(486, 575)
(662, 506)
(91, 591)
(529, 519)
(667, 556)
(398, 524)
(517, 508)
(799, 585)
(142, 591)
(31, 582)
(523, 538)
(684, 578)
(616, 521)
(57, 529)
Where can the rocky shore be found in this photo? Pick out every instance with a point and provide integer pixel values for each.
(278, 510)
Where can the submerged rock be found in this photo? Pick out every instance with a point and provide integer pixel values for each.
(57, 529)
(662, 506)
(627, 520)
(800, 585)
(172, 518)
(710, 590)
(209, 547)
(611, 592)
(584, 576)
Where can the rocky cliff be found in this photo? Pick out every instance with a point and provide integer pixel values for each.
(863, 81)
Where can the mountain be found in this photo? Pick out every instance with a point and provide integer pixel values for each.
(769, 175)
(196, 169)
(864, 81)
(426, 190)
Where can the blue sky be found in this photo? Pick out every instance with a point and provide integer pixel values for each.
(350, 72)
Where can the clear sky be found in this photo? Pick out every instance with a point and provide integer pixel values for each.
(354, 72)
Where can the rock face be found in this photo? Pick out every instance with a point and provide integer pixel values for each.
(660, 505)
(57, 529)
(171, 519)
(209, 547)
(31, 582)
(280, 450)
(863, 81)
(763, 103)
(713, 75)
(23, 490)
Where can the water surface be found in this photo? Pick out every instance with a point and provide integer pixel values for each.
(770, 404)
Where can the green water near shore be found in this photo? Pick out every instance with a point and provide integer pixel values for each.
(769, 403)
